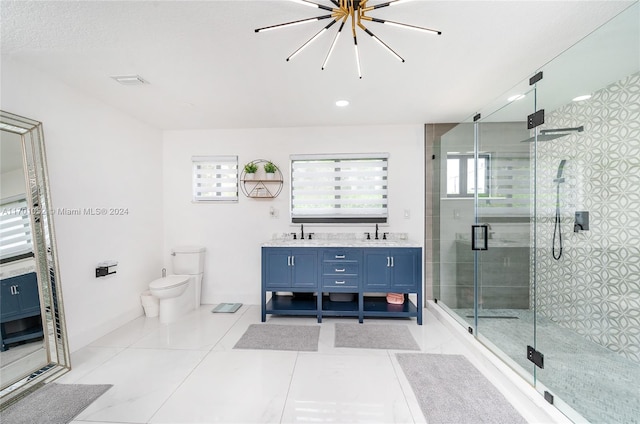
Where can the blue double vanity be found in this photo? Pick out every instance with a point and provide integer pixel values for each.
(336, 278)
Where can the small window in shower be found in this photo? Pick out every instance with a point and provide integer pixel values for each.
(215, 178)
(461, 174)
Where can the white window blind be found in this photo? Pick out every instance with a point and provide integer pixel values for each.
(15, 229)
(510, 186)
(215, 178)
(339, 188)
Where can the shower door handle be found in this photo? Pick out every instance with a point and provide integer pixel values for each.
(479, 237)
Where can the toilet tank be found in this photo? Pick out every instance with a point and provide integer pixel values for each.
(188, 260)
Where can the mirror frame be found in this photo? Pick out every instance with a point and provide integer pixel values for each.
(44, 246)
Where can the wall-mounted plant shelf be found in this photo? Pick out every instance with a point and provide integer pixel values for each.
(261, 185)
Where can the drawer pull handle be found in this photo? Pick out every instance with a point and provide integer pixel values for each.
(339, 256)
(340, 282)
(340, 270)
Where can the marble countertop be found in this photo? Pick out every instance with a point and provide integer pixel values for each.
(342, 240)
(14, 269)
(340, 243)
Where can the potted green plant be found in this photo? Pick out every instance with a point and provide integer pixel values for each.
(250, 171)
(270, 169)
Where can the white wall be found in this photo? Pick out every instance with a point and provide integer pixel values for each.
(233, 232)
(98, 158)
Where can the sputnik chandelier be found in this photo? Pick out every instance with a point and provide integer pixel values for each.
(344, 10)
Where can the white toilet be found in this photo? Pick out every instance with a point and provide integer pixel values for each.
(180, 293)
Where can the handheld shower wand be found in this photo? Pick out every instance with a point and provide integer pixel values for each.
(557, 229)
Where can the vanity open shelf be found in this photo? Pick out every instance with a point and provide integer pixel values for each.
(301, 281)
(288, 304)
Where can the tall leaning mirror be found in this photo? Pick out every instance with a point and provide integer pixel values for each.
(34, 346)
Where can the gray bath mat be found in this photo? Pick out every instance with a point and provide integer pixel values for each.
(227, 307)
(375, 336)
(450, 389)
(280, 337)
(53, 404)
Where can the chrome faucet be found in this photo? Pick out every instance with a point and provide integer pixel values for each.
(491, 233)
(376, 231)
(301, 231)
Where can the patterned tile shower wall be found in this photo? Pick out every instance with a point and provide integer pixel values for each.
(594, 289)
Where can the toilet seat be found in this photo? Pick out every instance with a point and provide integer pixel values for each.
(168, 282)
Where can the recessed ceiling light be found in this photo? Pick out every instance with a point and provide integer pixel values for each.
(581, 98)
(130, 79)
(515, 97)
(342, 103)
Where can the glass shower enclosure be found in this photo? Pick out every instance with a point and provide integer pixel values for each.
(536, 225)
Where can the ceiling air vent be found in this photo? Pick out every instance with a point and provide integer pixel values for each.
(130, 79)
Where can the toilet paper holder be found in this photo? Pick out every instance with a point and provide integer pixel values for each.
(106, 268)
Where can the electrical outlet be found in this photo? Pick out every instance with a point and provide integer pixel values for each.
(273, 213)
(407, 214)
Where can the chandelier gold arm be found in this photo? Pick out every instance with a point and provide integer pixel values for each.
(292, 23)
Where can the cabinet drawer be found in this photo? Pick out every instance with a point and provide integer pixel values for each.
(338, 282)
(338, 268)
(348, 255)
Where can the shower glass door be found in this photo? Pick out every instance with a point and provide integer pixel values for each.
(588, 225)
(453, 202)
(546, 184)
(504, 172)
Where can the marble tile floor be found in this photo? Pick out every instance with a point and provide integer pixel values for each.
(188, 372)
(600, 384)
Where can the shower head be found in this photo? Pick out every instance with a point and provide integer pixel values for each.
(553, 133)
(559, 178)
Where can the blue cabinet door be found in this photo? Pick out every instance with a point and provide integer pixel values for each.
(9, 301)
(290, 268)
(376, 269)
(392, 269)
(28, 289)
(304, 268)
(277, 264)
(405, 269)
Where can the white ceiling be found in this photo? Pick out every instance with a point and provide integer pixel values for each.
(207, 68)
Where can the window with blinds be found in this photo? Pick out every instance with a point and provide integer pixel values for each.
(503, 181)
(510, 186)
(215, 178)
(339, 188)
(15, 229)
